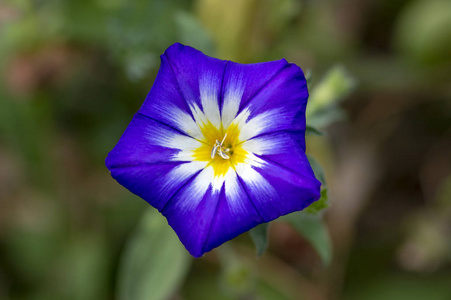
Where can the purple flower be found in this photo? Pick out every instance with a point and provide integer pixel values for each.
(218, 147)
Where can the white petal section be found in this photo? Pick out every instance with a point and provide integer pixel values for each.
(254, 161)
(179, 118)
(218, 181)
(165, 137)
(187, 147)
(268, 144)
(186, 170)
(258, 124)
(186, 123)
(199, 117)
(195, 191)
(172, 139)
(232, 99)
(233, 192)
(209, 88)
(179, 174)
(256, 182)
(179, 141)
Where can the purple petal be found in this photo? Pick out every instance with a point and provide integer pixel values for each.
(185, 77)
(235, 214)
(283, 147)
(276, 89)
(191, 210)
(145, 162)
(216, 217)
(244, 82)
(281, 171)
(276, 190)
(142, 143)
(154, 183)
(286, 93)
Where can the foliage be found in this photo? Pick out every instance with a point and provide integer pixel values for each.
(154, 263)
(259, 236)
(313, 230)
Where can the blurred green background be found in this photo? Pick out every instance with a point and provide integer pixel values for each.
(73, 73)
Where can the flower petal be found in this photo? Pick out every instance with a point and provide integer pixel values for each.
(234, 215)
(156, 183)
(243, 82)
(147, 141)
(190, 82)
(149, 160)
(278, 106)
(285, 148)
(191, 211)
(276, 189)
(204, 217)
(166, 104)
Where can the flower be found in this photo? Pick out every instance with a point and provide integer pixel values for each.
(218, 147)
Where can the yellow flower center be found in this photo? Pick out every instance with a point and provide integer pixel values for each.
(221, 148)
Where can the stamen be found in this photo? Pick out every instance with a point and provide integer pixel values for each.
(222, 154)
(213, 151)
(223, 138)
(219, 147)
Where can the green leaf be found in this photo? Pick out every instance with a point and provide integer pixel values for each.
(319, 205)
(336, 84)
(85, 272)
(155, 263)
(259, 235)
(322, 107)
(308, 76)
(326, 116)
(310, 130)
(314, 231)
(317, 169)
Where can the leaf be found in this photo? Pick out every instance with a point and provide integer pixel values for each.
(322, 107)
(308, 76)
(259, 235)
(336, 84)
(319, 205)
(310, 130)
(85, 272)
(314, 231)
(154, 263)
(326, 116)
(317, 169)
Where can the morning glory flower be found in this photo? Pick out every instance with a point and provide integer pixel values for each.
(218, 147)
